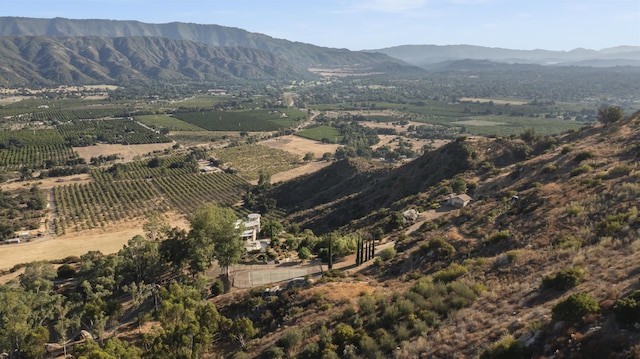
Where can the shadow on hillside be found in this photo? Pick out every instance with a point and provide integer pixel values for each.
(541, 296)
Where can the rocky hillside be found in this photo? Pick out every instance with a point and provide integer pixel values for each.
(46, 60)
(543, 262)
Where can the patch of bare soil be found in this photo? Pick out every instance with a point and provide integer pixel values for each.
(126, 152)
(107, 240)
(47, 182)
(310, 167)
(300, 146)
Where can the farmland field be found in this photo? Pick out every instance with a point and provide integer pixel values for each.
(125, 152)
(165, 121)
(319, 133)
(249, 160)
(300, 146)
(250, 121)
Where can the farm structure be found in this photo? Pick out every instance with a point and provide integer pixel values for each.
(459, 200)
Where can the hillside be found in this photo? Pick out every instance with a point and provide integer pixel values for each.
(299, 55)
(427, 55)
(351, 189)
(47, 60)
(543, 262)
(569, 207)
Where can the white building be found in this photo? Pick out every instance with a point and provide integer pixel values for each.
(251, 227)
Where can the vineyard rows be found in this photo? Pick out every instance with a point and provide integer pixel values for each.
(36, 157)
(72, 115)
(88, 132)
(107, 201)
(254, 120)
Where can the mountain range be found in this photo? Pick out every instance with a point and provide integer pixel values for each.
(66, 51)
(428, 55)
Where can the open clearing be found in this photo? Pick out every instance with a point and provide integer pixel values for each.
(310, 167)
(108, 240)
(127, 152)
(300, 146)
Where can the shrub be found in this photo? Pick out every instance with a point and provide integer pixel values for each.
(585, 155)
(566, 149)
(499, 236)
(627, 309)
(574, 308)
(304, 253)
(580, 170)
(565, 279)
(451, 273)
(507, 347)
(343, 334)
(217, 288)
(549, 168)
(388, 253)
(66, 271)
(619, 171)
(274, 353)
(439, 246)
(291, 339)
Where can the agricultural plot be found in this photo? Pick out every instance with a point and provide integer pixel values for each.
(37, 157)
(249, 160)
(322, 133)
(76, 114)
(249, 121)
(88, 132)
(188, 191)
(130, 191)
(33, 149)
(165, 121)
(97, 204)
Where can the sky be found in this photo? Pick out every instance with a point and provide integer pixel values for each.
(560, 25)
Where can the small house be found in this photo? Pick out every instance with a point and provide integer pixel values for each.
(458, 200)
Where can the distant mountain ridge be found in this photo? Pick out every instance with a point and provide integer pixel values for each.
(427, 55)
(50, 60)
(298, 54)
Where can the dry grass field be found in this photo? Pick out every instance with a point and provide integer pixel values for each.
(300, 146)
(107, 240)
(127, 152)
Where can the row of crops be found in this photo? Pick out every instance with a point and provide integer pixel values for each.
(88, 132)
(37, 157)
(139, 190)
(251, 120)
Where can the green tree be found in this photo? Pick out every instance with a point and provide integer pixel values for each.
(242, 329)
(610, 114)
(309, 156)
(156, 226)
(140, 261)
(272, 228)
(216, 236)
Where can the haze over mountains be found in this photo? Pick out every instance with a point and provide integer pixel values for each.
(65, 51)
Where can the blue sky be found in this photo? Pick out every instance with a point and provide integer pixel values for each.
(373, 24)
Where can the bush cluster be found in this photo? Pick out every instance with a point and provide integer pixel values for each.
(565, 279)
(574, 308)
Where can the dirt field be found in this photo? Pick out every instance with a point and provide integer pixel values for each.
(107, 241)
(128, 152)
(47, 182)
(310, 167)
(300, 146)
